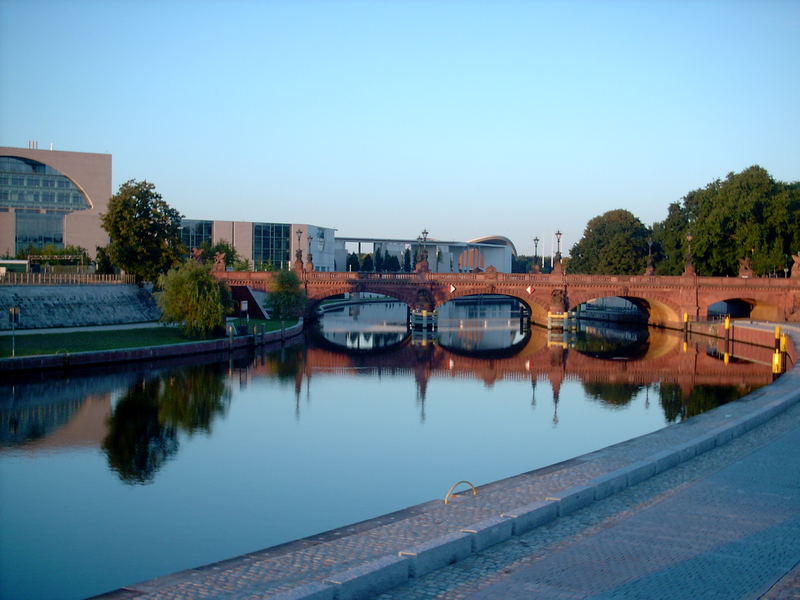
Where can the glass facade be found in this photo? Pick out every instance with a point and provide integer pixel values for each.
(26, 183)
(194, 232)
(38, 229)
(271, 244)
(41, 196)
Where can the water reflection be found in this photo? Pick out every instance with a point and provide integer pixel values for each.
(251, 439)
(624, 341)
(487, 324)
(365, 326)
(143, 428)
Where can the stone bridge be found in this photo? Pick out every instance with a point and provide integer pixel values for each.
(665, 298)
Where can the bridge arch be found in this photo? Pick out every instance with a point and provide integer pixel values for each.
(316, 295)
(536, 308)
(660, 311)
(743, 307)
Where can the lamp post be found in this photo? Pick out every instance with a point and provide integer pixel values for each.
(298, 253)
(535, 248)
(650, 270)
(558, 249)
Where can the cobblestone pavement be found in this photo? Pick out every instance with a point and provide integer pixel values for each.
(724, 525)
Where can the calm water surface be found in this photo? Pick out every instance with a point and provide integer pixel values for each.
(110, 477)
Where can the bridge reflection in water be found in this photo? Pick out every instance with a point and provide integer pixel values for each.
(687, 377)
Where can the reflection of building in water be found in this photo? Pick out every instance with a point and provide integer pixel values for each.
(491, 323)
(68, 415)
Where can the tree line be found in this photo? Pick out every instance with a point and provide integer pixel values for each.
(747, 218)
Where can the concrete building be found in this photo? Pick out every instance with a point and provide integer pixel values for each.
(443, 256)
(52, 197)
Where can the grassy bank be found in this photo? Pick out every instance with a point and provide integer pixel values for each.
(112, 339)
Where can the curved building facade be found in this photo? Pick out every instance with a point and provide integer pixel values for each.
(52, 197)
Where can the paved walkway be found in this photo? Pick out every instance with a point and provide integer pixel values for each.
(724, 525)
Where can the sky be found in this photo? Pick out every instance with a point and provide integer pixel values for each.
(382, 118)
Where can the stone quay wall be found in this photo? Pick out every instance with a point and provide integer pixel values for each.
(45, 306)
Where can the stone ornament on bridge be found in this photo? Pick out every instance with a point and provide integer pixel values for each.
(796, 266)
(745, 270)
(219, 261)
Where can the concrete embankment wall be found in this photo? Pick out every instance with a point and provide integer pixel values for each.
(43, 306)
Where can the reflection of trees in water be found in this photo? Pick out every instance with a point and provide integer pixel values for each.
(189, 399)
(678, 406)
(284, 364)
(143, 428)
(612, 394)
(607, 342)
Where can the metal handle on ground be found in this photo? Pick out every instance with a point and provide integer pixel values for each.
(450, 492)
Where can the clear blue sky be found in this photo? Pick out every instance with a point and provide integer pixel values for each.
(384, 117)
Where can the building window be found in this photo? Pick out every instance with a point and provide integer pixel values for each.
(37, 229)
(17, 189)
(195, 233)
(271, 245)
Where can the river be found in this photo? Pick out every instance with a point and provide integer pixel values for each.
(110, 476)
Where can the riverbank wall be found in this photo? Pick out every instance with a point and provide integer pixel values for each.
(66, 360)
(45, 306)
(367, 558)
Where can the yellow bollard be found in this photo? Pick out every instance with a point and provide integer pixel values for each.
(727, 323)
(784, 343)
(777, 362)
(726, 358)
(777, 337)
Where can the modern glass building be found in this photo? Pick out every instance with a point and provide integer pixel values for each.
(41, 196)
(194, 233)
(272, 244)
(52, 198)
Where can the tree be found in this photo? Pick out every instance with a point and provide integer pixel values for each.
(747, 215)
(242, 264)
(286, 300)
(367, 264)
(353, 264)
(379, 264)
(103, 263)
(614, 243)
(669, 237)
(192, 296)
(407, 260)
(210, 252)
(393, 264)
(521, 264)
(144, 231)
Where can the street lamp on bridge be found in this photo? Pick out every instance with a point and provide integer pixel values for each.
(298, 253)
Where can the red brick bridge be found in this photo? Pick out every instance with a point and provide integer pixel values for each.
(664, 298)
